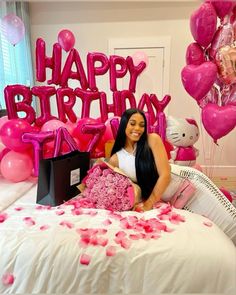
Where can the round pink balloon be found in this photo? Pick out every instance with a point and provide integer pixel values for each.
(3, 151)
(11, 134)
(203, 23)
(3, 120)
(218, 120)
(108, 134)
(83, 139)
(52, 125)
(70, 126)
(12, 28)
(195, 54)
(16, 167)
(140, 56)
(66, 39)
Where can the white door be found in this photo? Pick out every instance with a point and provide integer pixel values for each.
(155, 77)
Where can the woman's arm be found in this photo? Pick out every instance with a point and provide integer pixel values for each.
(163, 169)
(114, 161)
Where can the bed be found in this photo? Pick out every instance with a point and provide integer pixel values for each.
(69, 249)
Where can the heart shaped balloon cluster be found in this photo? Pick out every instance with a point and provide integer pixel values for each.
(210, 72)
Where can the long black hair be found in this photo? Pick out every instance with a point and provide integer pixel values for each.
(146, 170)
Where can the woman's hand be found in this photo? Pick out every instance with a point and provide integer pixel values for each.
(143, 206)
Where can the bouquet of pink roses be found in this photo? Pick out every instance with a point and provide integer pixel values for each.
(108, 188)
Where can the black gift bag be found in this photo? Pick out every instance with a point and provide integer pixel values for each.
(59, 177)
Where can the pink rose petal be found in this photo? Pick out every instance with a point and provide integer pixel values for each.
(102, 241)
(44, 227)
(19, 208)
(60, 212)
(3, 217)
(77, 211)
(101, 231)
(107, 222)
(135, 236)
(40, 207)
(168, 230)
(125, 243)
(29, 221)
(8, 279)
(85, 259)
(66, 224)
(94, 240)
(120, 234)
(207, 223)
(111, 251)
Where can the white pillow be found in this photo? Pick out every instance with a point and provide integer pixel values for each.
(209, 201)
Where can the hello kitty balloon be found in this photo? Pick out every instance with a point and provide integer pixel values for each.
(182, 134)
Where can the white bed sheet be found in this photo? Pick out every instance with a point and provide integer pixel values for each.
(42, 248)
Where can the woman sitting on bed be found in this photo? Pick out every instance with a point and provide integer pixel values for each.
(142, 157)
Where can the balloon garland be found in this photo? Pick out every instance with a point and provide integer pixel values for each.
(210, 74)
(37, 136)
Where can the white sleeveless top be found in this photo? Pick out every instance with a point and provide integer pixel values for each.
(126, 163)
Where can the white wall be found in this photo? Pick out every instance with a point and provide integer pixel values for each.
(94, 23)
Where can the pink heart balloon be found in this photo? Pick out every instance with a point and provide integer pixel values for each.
(195, 54)
(222, 7)
(218, 120)
(203, 23)
(198, 80)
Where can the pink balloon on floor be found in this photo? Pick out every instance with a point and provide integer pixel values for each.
(16, 167)
(3, 151)
(3, 120)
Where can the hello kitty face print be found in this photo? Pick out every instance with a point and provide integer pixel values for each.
(182, 132)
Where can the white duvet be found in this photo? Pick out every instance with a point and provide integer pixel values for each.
(73, 250)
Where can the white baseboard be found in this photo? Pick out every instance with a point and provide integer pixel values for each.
(219, 171)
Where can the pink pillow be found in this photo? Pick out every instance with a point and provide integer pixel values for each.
(184, 193)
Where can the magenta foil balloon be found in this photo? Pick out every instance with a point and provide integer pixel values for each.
(198, 80)
(218, 120)
(195, 54)
(203, 23)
